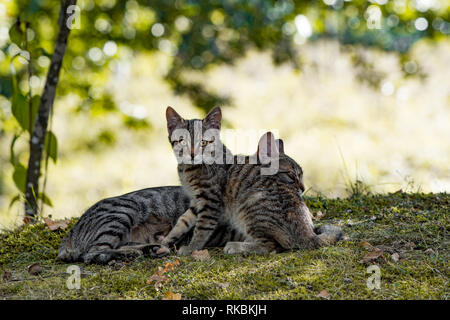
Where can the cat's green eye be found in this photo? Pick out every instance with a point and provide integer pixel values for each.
(204, 143)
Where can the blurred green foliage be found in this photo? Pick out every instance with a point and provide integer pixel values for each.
(195, 35)
(198, 34)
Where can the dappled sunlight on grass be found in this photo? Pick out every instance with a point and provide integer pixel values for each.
(303, 274)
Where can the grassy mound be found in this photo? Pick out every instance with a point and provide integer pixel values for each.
(405, 235)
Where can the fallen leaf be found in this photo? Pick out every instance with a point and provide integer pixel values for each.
(55, 225)
(429, 251)
(6, 275)
(373, 255)
(365, 245)
(172, 296)
(395, 257)
(223, 285)
(34, 269)
(319, 214)
(159, 280)
(323, 294)
(169, 266)
(201, 255)
(27, 220)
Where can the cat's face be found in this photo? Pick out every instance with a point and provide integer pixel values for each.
(194, 141)
(289, 172)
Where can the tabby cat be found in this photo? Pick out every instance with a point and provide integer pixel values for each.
(127, 226)
(267, 209)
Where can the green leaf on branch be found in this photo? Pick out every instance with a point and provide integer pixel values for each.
(21, 110)
(35, 103)
(45, 199)
(20, 177)
(14, 200)
(16, 33)
(12, 157)
(51, 146)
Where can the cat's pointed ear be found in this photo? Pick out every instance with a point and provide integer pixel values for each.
(173, 119)
(213, 119)
(280, 145)
(267, 148)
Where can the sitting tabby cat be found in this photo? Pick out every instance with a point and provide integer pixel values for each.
(124, 227)
(266, 209)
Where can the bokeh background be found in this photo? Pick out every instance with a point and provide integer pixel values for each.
(358, 90)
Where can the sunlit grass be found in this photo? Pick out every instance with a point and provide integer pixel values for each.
(408, 224)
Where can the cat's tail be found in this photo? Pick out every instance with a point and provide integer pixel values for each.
(328, 234)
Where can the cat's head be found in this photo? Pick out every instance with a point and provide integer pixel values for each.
(271, 150)
(195, 141)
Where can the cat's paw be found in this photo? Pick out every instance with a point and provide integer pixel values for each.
(185, 251)
(232, 248)
(157, 250)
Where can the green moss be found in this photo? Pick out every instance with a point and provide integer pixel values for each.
(408, 224)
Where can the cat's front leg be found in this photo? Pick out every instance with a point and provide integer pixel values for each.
(184, 224)
(207, 221)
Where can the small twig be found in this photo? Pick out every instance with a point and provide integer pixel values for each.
(37, 278)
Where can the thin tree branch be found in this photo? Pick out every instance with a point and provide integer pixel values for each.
(37, 140)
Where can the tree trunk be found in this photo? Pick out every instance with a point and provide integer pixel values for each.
(37, 140)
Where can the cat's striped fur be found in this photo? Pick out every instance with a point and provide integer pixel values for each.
(267, 209)
(130, 225)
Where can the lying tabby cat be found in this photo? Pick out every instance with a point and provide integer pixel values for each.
(266, 209)
(124, 227)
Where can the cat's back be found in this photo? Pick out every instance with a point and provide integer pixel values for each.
(121, 217)
(168, 201)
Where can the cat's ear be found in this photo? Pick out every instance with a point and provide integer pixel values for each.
(267, 148)
(213, 119)
(280, 145)
(173, 119)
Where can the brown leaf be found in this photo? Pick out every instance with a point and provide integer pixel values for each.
(373, 255)
(365, 245)
(323, 294)
(6, 275)
(169, 266)
(201, 255)
(55, 225)
(27, 220)
(395, 257)
(172, 296)
(159, 280)
(160, 271)
(34, 269)
(160, 275)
